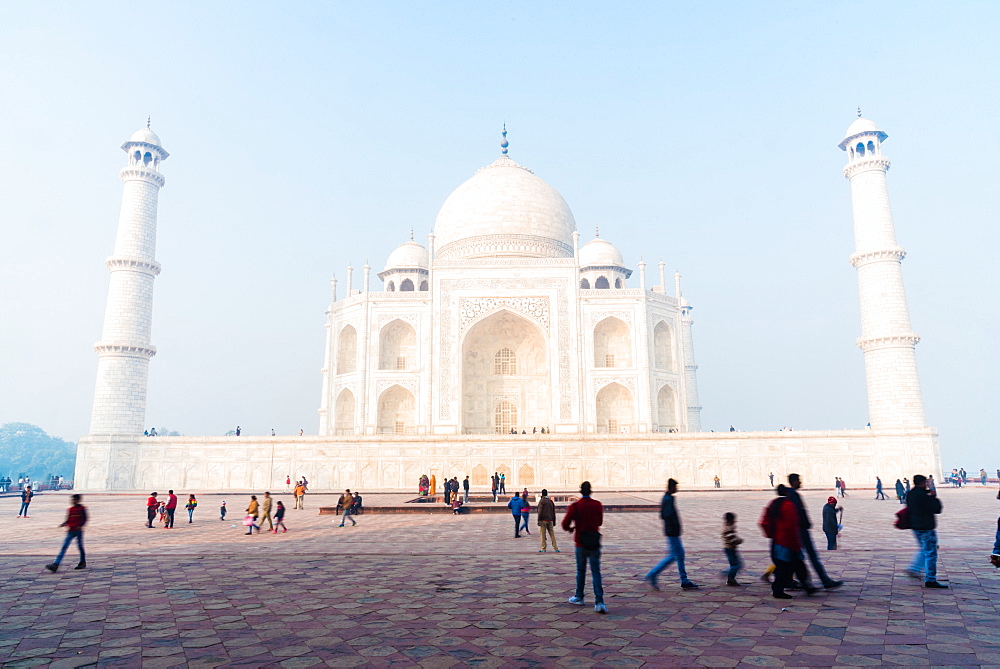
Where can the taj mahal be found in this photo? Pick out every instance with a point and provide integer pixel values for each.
(506, 343)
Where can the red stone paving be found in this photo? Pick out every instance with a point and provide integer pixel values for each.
(451, 591)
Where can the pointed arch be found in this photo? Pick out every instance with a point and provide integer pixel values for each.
(663, 347)
(397, 345)
(666, 409)
(344, 412)
(615, 409)
(423, 286)
(618, 283)
(479, 475)
(347, 350)
(526, 386)
(504, 417)
(526, 475)
(406, 286)
(391, 287)
(584, 283)
(612, 343)
(602, 283)
(396, 411)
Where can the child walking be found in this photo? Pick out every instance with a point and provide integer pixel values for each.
(730, 540)
(191, 505)
(222, 511)
(279, 518)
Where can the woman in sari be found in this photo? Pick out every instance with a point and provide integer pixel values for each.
(424, 485)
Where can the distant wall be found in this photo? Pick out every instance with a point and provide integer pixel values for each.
(552, 460)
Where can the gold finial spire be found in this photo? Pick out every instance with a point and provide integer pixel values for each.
(149, 119)
(859, 111)
(504, 143)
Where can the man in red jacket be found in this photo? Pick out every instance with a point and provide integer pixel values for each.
(76, 518)
(151, 506)
(780, 523)
(584, 518)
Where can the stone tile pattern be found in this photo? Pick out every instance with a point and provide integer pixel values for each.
(440, 591)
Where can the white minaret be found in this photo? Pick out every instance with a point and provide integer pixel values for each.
(689, 369)
(124, 350)
(888, 343)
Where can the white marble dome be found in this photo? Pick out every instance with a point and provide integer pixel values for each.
(861, 125)
(407, 256)
(504, 210)
(146, 136)
(600, 253)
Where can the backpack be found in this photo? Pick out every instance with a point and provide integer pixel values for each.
(903, 519)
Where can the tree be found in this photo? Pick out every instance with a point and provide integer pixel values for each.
(29, 451)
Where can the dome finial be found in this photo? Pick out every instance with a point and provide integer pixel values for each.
(859, 111)
(411, 234)
(149, 119)
(597, 231)
(503, 143)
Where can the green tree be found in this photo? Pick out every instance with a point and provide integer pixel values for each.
(26, 449)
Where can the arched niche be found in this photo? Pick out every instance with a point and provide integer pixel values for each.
(612, 343)
(347, 350)
(663, 347)
(615, 409)
(423, 286)
(504, 417)
(528, 388)
(584, 284)
(406, 286)
(666, 409)
(391, 287)
(602, 283)
(396, 411)
(344, 412)
(397, 345)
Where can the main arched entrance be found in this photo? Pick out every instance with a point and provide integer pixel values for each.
(505, 376)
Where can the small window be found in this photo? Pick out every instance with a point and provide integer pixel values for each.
(401, 363)
(400, 427)
(602, 282)
(861, 149)
(871, 147)
(505, 362)
(609, 360)
(585, 284)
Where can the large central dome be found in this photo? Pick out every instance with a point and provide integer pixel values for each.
(504, 210)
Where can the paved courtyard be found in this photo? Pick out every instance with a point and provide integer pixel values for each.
(442, 590)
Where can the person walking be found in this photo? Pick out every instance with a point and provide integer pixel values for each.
(515, 505)
(780, 524)
(265, 511)
(288, 483)
(900, 492)
(26, 496)
(794, 483)
(770, 477)
(922, 505)
(222, 511)
(730, 540)
(171, 509)
(878, 489)
(346, 503)
(584, 518)
(831, 523)
(191, 505)
(525, 511)
(76, 518)
(279, 518)
(547, 520)
(906, 486)
(718, 482)
(675, 547)
(503, 483)
(931, 485)
(152, 504)
(465, 488)
(252, 509)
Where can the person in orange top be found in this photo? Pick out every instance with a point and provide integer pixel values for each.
(584, 518)
(300, 494)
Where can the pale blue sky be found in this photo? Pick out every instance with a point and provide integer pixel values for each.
(306, 137)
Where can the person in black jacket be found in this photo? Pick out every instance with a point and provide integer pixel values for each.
(923, 505)
(831, 522)
(675, 548)
(794, 483)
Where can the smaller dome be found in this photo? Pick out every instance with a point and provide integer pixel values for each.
(600, 253)
(146, 136)
(861, 125)
(408, 255)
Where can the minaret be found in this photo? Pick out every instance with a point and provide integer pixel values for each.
(887, 340)
(124, 350)
(689, 368)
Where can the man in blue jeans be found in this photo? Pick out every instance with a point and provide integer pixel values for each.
(675, 548)
(76, 518)
(584, 518)
(515, 505)
(995, 557)
(923, 505)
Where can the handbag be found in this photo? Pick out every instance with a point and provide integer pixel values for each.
(590, 540)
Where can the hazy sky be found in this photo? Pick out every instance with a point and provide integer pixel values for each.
(305, 137)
